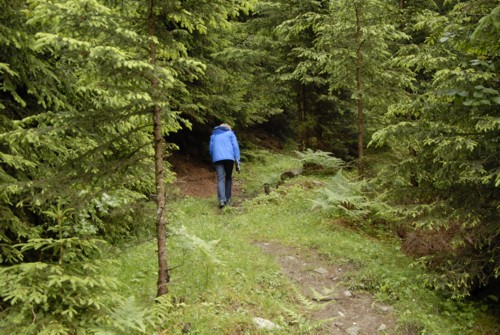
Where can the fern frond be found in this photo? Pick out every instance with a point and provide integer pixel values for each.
(324, 296)
(194, 243)
(347, 199)
(299, 320)
(307, 302)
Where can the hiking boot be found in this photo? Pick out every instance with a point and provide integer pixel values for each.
(221, 204)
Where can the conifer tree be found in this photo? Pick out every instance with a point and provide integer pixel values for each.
(450, 182)
(73, 150)
(81, 82)
(355, 44)
(299, 69)
(281, 49)
(170, 26)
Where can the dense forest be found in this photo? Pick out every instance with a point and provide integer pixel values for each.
(96, 96)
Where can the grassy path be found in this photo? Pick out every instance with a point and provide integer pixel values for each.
(273, 257)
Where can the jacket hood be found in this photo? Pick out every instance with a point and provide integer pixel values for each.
(219, 130)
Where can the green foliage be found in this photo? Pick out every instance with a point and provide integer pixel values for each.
(354, 49)
(128, 316)
(76, 98)
(381, 265)
(347, 199)
(206, 249)
(320, 162)
(70, 288)
(449, 178)
(219, 280)
(281, 51)
(59, 288)
(380, 36)
(74, 136)
(265, 168)
(303, 324)
(343, 197)
(238, 79)
(61, 297)
(222, 296)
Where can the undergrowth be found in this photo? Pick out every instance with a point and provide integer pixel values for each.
(220, 279)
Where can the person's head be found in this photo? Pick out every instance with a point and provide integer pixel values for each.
(225, 125)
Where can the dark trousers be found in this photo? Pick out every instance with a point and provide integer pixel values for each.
(224, 171)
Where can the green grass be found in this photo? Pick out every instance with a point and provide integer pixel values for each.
(220, 279)
(262, 167)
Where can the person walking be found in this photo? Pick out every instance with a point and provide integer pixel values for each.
(225, 153)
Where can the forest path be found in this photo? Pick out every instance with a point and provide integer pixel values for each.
(325, 296)
(322, 290)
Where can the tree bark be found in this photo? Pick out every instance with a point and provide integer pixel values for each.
(413, 175)
(161, 236)
(359, 87)
(301, 116)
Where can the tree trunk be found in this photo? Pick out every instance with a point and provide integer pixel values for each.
(301, 116)
(413, 175)
(359, 87)
(161, 236)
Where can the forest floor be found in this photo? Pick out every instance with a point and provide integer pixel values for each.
(319, 281)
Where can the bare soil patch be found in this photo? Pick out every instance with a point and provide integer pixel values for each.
(194, 178)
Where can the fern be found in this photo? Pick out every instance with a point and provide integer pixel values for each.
(324, 296)
(124, 318)
(301, 320)
(307, 302)
(320, 162)
(129, 317)
(346, 199)
(198, 245)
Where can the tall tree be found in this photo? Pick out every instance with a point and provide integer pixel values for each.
(73, 149)
(47, 139)
(163, 275)
(355, 44)
(76, 133)
(171, 27)
(451, 181)
(279, 47)
(296, 37)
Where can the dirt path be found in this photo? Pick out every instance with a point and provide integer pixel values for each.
(194, 178)
(197, 179)
(319, 282)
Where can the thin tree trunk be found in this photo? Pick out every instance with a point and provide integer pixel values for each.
(359, 87)
(161, 236)
(413, 176)
(301, 116)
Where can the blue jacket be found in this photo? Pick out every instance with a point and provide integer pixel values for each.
(223, 145)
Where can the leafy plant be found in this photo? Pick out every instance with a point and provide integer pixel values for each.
(446, 140)
(301, 322)
(60, 286)
(347, 199)
(129, 316)
(320, 162)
